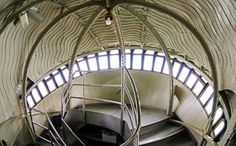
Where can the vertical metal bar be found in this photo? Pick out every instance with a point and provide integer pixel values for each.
(84, 101)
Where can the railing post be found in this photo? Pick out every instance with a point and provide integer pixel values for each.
(84, 101)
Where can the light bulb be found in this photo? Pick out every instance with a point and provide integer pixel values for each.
(108, 20)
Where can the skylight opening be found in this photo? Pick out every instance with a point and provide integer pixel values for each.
(158, 64)
(103, 62)
(206, 95)
(198, 88)
(148, 62)
(36, 95)
(166, 68)
(137, 61)
(51, 85)
(42, 88)
(114, 61)
(192, 79)
(149, 52)
(184, 73)
(30, 101)
(127, 51)
(219, 128)
(93, 64)
(102, 53)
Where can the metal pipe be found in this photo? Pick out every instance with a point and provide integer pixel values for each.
(40, 125)
(72, 132)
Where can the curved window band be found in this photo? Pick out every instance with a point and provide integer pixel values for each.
(136, 59)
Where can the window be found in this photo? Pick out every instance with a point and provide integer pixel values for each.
(83, 65)
(192, 79)
(43, 90)
(209, 106)
(158, 63)
(128, 60)
(176, 68)
(51, 85)
(137, 61)
(218, 115)
(59, 79)
(114, 61)
(30, 101)
(36, 95)
(198, 88)
(184, 73)
(65, 73)
(206, 95)
(93, 64)
(219, 128)
(103, 62)
(148, 62)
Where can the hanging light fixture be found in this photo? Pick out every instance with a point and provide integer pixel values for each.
(108, 18)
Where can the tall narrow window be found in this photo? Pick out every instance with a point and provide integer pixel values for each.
(184, 73)
(30, 101)
(219, 128)
(148, 63)
(191, 80)
(137, 61)
(114, 61)
(103, 62)
(51, 85)
(36, 95)
(176, 68)
(158, 64)
(43, 90)
(206, 95)
(83, 65)
(209, 106)
(198, 88)
(93, 64)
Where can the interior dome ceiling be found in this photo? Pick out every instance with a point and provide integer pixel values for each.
(215, 20)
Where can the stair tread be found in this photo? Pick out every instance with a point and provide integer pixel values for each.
(165, 132)
(149, 115)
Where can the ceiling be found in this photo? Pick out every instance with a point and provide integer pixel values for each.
(214, 19)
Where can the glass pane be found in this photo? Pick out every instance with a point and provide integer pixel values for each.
(148, 62)
(192, 79)
(158, 64)
(219, 128)
(128, 60)
(30, 101)
(51, 85)
(137, 61)
(93, 64)
(150, 52)
(138, 51)
(55, 72)
(114, 52)
(36, 95)
(166, 69)
(83, 65)
(198, 88)
(114, 61)
(206, 95)
(176, 69)
(59, 79)
(89, 56)
(102, 53)
(218, 115)
(161, 54)
(43, 90)
(75, 68)
(183, 74)
(127, 50)
(65, 73)
(103, 62)
(209, 106)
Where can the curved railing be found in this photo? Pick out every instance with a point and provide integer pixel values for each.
(133, 113)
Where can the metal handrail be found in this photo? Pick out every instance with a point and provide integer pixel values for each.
(72, 132)
(133, 100)
(50, 123)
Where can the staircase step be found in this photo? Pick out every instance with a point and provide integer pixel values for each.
(163, 135)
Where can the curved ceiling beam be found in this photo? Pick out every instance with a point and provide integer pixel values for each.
(86, 28)
(164, 49)
(199, 37)
(39, 38)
